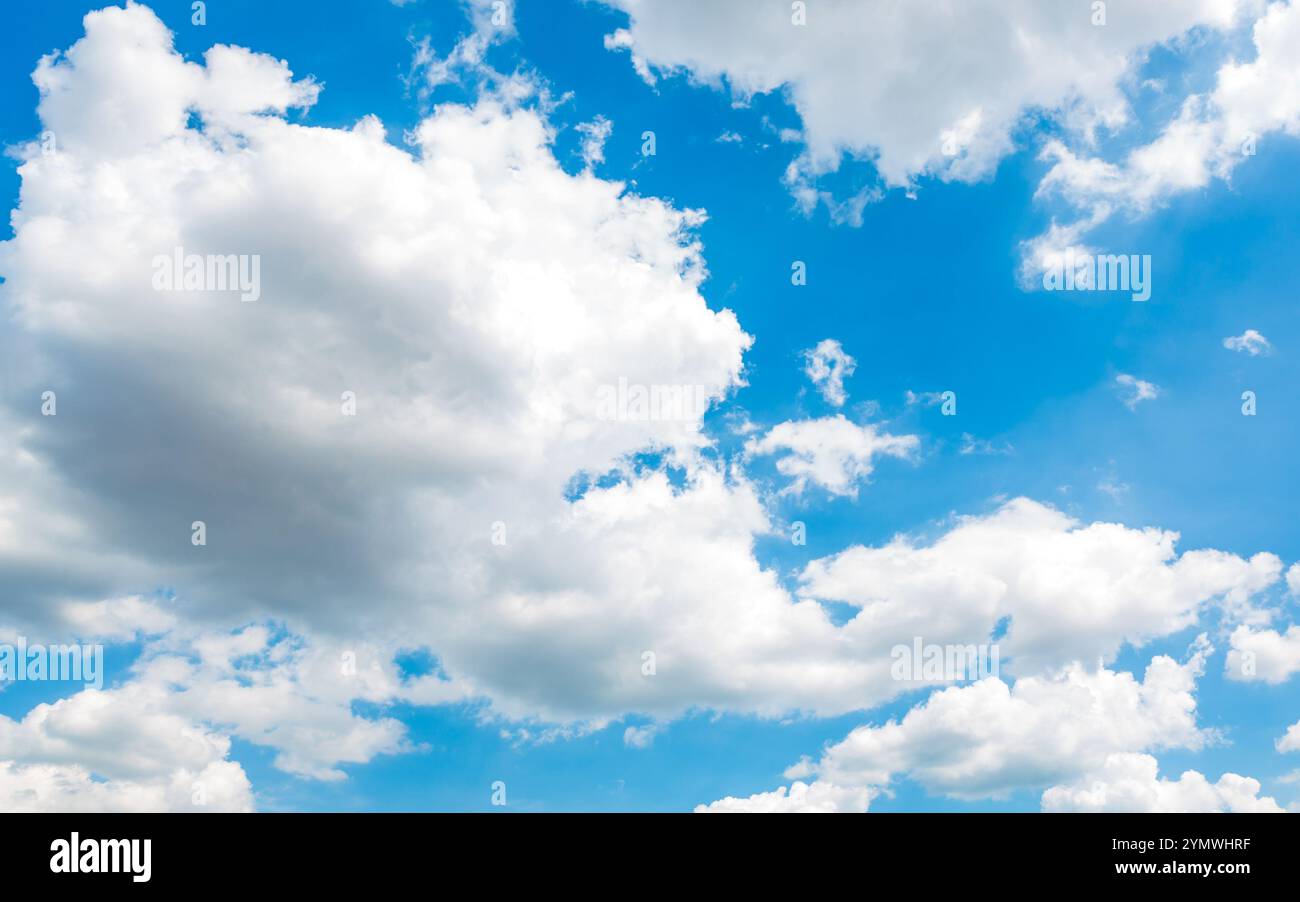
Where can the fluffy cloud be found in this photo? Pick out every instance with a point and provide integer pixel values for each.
(1250, 341)
(797, 798)
(828, 366)
(1212, 134)
(117, 619)
(916, 90)
(43, 788)
(147, 759)
(988, 739)
(450, 291)
(282, 693)
(474, 299)
(1263, 654)
(941, 94)
(594, 135)
(1129, 783)
(830, 452)
(172, 719)
(1065, 591)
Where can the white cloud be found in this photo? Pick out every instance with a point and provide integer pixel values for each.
(594, 135)
(145, 758)
(988, 739)
(286, 695)
(452, 289)
(1068, 591)
(1290, 741)
(1133, 391)
(640, 737)
(1263, 654)
(491, 23)
(1212, 134)
(828, 366)
(937, 94)
(1250, 341)
(116, 619)
(1128, 782)
(38, 788)
(830, 452)
(797, 798)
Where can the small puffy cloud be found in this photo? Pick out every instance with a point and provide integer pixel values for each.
(828, 366)
(640, 737)
(1263, 654)
(594, 135)
(1290, 741)
(797, 798)
(1133, 391)
(1250, 341)
(830, 452)
(1129, 782)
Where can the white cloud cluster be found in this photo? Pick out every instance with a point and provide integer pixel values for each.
(988, 739)
(145, 758)
(161, 740)
(1129, 782)
(491, 23)
(943, 94)
(1212, 134)
(1066, 591)
(44, 788)
(450, 291)
(474, 298)
(919, 91)
(797, 798)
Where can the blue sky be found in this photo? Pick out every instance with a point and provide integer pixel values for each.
(925, 294)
